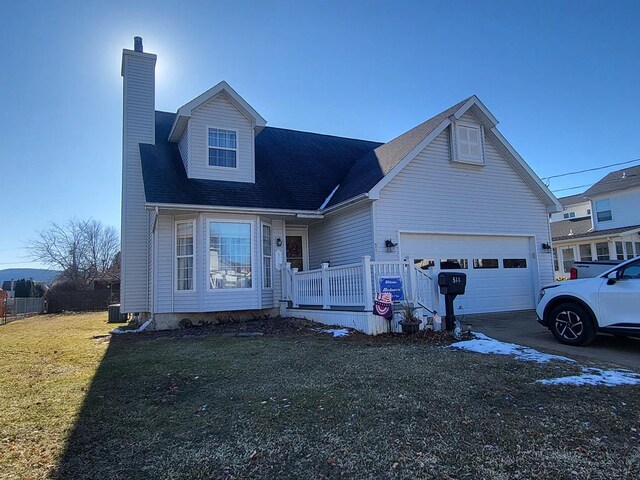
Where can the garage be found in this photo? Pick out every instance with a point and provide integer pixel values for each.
(500, 269)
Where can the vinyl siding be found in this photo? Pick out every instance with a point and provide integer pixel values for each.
(343, 237)
(138, 127)
(624, 209)
(220, 113)
(433, 195)
(183, 147)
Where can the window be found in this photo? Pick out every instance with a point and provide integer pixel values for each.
(229, 255)
(619, 251)
(585, 252)
(602, 251)
(424, 263)
(588, 211)
(222, 148)
(266, 256)
(629, 247)
(480, 263)
(570, 215)
(630, 272)
(454, 264)
(469, 143)
(184, 256)
(514, 263)
(637, 245)
(555, 259)
(603, 210)
(568, 257)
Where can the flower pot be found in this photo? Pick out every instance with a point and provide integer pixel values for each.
(410, 327)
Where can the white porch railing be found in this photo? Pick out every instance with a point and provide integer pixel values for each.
(354, 285)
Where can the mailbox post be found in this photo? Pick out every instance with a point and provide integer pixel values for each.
(451, 285)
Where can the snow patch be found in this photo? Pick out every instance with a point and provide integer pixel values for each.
(596, 376)
(336, 332)
(483, 344)
(141, 328)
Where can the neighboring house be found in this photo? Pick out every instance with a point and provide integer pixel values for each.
(9, 288)
(221, 213)
(610, 233)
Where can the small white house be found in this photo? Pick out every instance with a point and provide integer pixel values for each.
(611, 232)
(223, 215)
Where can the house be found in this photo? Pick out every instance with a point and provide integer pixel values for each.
(611, 232)
(224, 215)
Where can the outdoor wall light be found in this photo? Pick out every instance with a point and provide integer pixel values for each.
(278, 242)
(391, 247)
(546, 246)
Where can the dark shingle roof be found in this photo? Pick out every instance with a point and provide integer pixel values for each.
(573, 199)
(374, 165)
(294, 170)
(619, 180)
(570, 228)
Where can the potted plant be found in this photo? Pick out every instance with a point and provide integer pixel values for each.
(410, 322)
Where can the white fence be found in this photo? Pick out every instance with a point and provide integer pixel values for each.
(354, 285)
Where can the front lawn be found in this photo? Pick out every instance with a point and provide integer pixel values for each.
(294, 404)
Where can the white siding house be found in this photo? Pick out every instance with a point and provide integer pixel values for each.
(224, 216)
(609, 230)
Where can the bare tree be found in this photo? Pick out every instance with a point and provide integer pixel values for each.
(81, 249)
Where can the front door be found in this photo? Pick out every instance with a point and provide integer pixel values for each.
(297, 249)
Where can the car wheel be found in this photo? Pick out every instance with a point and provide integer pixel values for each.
(572, 324)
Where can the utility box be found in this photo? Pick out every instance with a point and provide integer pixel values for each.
(114, 314)
(452, 283)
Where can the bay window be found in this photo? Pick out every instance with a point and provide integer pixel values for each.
(230, 255)
(184, 256)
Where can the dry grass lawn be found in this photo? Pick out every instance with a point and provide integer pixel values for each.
(294, 404)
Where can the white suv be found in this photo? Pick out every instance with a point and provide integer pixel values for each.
(576, 310)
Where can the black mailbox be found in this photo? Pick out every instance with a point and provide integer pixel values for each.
(452, 283)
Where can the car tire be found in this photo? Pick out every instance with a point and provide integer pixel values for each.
(572, 324)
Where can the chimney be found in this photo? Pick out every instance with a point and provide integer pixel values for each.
(138, 126)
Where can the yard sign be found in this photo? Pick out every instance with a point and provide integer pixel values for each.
(392, 285)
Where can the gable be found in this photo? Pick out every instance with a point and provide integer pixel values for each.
(220, 113)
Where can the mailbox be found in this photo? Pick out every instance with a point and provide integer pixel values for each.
(452, 283)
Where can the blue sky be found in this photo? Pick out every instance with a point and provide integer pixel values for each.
(561, 76)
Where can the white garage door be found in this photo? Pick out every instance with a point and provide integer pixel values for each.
(499, 268)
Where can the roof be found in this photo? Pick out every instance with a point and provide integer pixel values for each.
(596, 233)
(309, 171)
(619, 180)
(374, 165)
(573, 199)
(570, 228)
(294, 170)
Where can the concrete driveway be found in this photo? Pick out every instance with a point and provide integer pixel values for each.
(522, 328)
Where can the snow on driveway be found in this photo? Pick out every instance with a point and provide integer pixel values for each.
(589, 376)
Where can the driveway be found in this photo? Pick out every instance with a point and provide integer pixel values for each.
(522, 328)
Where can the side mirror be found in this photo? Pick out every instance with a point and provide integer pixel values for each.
(611, 281)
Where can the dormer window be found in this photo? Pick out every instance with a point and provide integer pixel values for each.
(468, 143)
(570, 215)
(223, 148)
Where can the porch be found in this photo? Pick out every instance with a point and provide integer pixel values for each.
(343, 295)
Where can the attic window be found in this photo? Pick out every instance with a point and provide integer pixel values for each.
(468, 143)
(223, 147)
